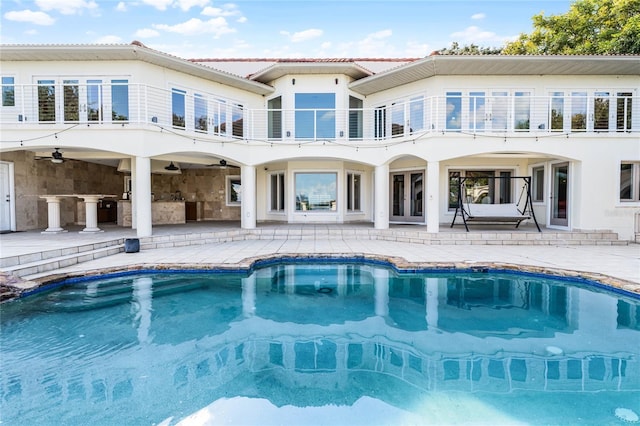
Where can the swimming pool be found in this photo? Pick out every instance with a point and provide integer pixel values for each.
(321, 343)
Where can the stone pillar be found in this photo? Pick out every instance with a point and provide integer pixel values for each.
(142, 196)
(381, 197)
(91, 215)
(433, 197)
(53, 212)
(248, 204)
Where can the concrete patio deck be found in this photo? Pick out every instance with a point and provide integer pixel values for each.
(225, 244)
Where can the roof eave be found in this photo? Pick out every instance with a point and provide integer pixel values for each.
(497, 65)
(128, 52)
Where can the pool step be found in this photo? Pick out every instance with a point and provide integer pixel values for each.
(37, 264)
(82, 296)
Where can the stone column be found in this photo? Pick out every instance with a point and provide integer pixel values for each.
(142, 196)
(53, 218)
(248, 204)
(381, 197)
(433, 197)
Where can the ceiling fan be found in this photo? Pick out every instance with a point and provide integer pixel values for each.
(172, 167)
(223, 165)
(56, 157)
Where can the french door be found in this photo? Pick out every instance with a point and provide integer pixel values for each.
(407, 196)
(560, 194)
(5, 197)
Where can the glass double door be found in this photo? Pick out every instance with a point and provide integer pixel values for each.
(82, 100)
(407, 196)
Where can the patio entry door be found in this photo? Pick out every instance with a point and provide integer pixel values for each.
(5, 198)
(560, 194)
(407, 196)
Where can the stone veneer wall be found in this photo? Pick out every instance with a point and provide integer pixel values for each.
(205, 185)
(37, 177)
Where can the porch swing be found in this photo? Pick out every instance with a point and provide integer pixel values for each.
(483, 213)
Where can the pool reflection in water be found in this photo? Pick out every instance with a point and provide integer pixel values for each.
(319, 344)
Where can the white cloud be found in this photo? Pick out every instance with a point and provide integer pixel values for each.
(158, 4)
(110, 39)
(303, 35)
(185, 5)
(417, 50)
(121, 7)
(37, 18)
(67, 7)
(478, 16)
(146, 33)
(373, 45)
(195, 26)
(476, 35)
(379, 35)
(226, 10)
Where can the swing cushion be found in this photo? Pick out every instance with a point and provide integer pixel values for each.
(495, 212)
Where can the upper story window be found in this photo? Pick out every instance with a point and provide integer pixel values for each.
(71, 97)
(178, 108)
(120, 100)
(274, 120)
(46, 100)
(237, 120)
(624, 111)
(8, 92)
(522, 111)
(315, 115)
(454, 111)
(356, 116)
(416, 114)
(200, 113)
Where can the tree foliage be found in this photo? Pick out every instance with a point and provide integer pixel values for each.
(590, 27)
(471, 49)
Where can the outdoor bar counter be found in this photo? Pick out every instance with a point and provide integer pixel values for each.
(162, 212)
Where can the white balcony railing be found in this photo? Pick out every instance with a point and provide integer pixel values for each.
(202, 115)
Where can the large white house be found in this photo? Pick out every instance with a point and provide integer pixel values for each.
(127, 134)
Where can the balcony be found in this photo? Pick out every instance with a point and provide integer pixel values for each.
(208, 117)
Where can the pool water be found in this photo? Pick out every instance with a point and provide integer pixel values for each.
(321, 343)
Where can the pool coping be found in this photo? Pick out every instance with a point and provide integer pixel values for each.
(12, 287)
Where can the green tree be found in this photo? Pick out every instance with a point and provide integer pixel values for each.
(471, 49)
(590, 27)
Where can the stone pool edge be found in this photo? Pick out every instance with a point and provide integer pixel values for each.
(12, 287)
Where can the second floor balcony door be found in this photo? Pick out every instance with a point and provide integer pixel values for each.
(407, 196)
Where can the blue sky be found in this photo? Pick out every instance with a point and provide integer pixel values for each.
(274, 29)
